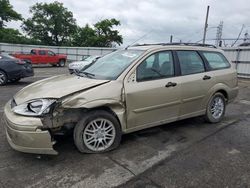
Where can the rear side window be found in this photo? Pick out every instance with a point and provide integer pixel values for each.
(42, 52)
(216, 60)
(190, 62)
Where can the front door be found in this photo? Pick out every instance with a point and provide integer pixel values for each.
(51, 57)
(153, 97)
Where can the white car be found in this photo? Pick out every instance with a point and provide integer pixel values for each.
(79, 65)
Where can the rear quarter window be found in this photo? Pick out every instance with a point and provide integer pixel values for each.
(216, 60)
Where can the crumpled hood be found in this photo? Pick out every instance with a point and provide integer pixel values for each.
(56, 87)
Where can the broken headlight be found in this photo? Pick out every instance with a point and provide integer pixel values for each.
(37, 107)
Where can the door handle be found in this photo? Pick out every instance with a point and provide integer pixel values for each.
(206, 77)
(170, 84)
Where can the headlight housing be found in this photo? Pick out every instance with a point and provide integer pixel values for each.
(37, 107)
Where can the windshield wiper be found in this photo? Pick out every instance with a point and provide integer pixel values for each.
(75, 71)
(89, 75)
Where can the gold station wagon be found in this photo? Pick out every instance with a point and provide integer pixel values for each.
(125, 91)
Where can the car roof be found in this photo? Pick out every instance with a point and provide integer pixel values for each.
(169, 46)
(41, 49)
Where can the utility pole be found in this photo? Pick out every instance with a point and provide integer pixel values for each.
(171, 38)
(205, 27)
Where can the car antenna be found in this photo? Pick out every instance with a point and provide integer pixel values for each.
(138, 39)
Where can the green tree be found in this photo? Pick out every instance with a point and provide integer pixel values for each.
(7, 13)
(101, 35)
(51, 24)
(106, 35)
(10, 35)
(84, 36)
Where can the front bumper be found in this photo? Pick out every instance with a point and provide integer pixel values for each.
(24, 133)
(71, 71)
(27, 71)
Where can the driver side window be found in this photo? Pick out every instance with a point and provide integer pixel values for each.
(50, 53)
(157, 66)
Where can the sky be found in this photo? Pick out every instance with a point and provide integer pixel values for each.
(155, 20)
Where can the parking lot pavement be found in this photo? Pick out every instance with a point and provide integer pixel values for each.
(185, 153)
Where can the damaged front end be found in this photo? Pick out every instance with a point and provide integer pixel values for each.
(32, 125)
(24, 133)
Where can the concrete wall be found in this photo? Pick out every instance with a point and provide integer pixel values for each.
(73, 53)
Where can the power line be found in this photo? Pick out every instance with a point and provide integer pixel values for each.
(238, 35)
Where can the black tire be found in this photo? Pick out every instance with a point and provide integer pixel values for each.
(89, 117)
(3, 78)
(209, 117)
(61, 63)
(15, 80)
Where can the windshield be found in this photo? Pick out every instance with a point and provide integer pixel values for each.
(90, 58)
(5, 56)
(112, 65)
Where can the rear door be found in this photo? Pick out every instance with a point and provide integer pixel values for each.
(154, 96)
(42, 56)
(34, 56)
(195, 84)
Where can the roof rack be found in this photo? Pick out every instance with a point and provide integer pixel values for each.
(179, 44)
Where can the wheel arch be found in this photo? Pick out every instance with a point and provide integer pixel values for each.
(114, 107)
(223, 92)
(109, 110)
(4, 72)
(62, 59)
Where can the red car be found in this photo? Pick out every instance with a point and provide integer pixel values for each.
(42, 56)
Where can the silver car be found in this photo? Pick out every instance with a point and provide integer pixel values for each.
(76, 66)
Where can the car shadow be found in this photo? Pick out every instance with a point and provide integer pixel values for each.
(65, 143)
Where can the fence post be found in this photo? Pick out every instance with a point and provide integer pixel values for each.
(237, 59)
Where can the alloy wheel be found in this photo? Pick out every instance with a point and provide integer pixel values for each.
(217, 107)
(99, 134)
(3, 78)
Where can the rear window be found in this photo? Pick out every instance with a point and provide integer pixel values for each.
(216, 60)
(41, 52)
(190, 62)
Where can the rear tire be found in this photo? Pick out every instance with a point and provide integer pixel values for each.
(216, 108)
(97, 132)
(61, 63)
(3, 78)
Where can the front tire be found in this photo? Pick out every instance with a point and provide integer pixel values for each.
(3, 78)
(216, 108)
(98, 132)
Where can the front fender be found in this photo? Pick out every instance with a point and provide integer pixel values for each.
(116, 106)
